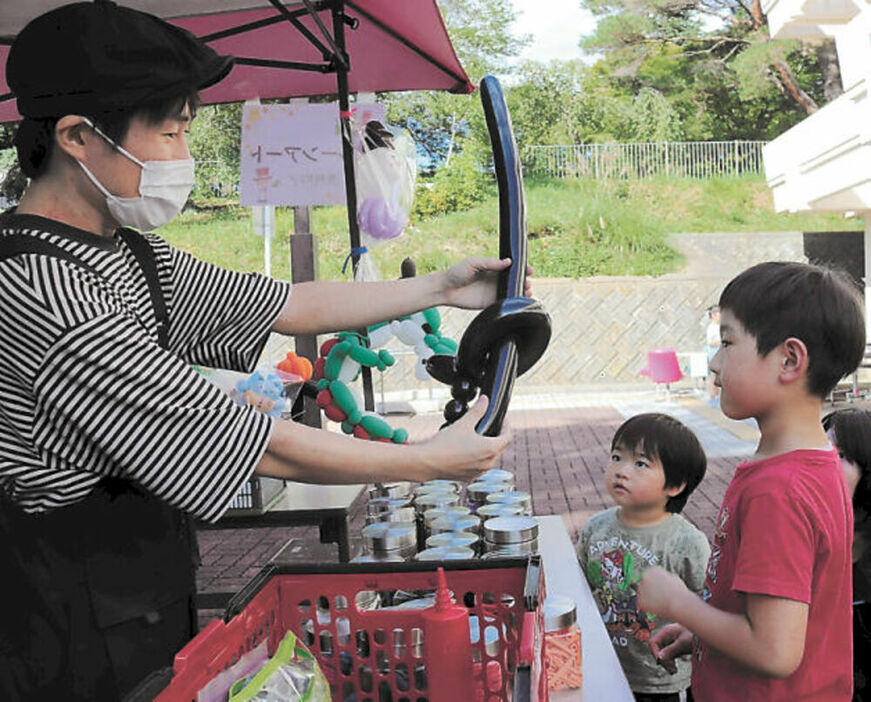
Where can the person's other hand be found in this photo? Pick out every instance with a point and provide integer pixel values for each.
(471, 284)
(671, 641)
(458, 452)
(658, 591)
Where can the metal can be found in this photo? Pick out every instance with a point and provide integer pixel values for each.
(497, 475)
(431, 500)
(456, 485)
(436, 512)
(476, 493)
(377, 505)
(513, 497)
(456, 522)
(445, 554)
(451, 539)
(393, 490)
(402, 514)
(511, 536)
(398, 538)
(499, 509)
(427, 488)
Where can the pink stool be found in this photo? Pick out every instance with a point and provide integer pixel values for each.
(663, 368)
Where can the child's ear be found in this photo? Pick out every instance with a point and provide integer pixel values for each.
(675, 490)
(794, 360)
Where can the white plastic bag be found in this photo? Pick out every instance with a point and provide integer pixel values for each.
(386, 171)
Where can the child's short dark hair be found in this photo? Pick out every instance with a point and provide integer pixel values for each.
(852, 429)
(34, 140)
(777, 300)
(670, 442)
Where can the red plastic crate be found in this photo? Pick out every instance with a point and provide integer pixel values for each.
(377, 655)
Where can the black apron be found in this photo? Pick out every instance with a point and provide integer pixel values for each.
(101, 593)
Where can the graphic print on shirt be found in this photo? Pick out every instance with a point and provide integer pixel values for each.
(717, 542)
(614, 574)
(716, 551)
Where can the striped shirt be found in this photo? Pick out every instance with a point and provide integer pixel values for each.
(87, 392)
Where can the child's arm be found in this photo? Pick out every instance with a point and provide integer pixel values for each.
(768, 639)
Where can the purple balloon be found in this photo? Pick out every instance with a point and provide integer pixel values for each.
(375, 218)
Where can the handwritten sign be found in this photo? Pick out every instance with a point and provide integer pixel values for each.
(292, 154)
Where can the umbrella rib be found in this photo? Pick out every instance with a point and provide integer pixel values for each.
(242, 28)
(294, 65)
(305, 31)
(401, 39)
(340, 56)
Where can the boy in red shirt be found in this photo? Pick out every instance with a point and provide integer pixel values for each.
(774, 621)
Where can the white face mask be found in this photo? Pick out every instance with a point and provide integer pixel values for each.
(164, 187)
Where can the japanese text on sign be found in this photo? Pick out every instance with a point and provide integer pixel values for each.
(292, 154)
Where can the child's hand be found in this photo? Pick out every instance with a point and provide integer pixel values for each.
(659, 591)
(668, 643)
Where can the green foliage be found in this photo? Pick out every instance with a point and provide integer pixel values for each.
(720, 82)
(653, 118)
(454, 188)
(576, 228)
(480, 31)
(214, 141)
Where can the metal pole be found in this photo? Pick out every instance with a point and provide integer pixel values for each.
(303, 268)
(343, 66)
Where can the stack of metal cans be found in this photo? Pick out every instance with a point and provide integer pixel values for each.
(440, 520)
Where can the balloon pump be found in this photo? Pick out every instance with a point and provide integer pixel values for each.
(447, 647)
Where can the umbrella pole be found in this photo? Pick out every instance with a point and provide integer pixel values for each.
(342, 68)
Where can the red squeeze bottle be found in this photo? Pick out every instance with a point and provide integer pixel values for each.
(447, 647)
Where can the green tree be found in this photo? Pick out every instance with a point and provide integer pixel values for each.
(480, 31)
(214, 143)
(714, 63)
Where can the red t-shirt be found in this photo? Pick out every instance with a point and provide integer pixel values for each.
(785, 529)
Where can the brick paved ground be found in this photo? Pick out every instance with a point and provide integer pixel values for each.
(558, 454)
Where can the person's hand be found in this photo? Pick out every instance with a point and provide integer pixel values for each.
(471, 284)
(671, 641)
(659, 592)
(458, 452)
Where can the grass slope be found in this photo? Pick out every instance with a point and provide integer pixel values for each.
(577, 228)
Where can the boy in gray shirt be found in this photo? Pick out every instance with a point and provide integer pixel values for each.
(655, 463)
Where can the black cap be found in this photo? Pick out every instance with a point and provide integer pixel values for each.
(96, 56)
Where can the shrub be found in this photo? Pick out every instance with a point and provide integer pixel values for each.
(453, 189)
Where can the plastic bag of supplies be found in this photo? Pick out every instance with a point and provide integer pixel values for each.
(291, 675)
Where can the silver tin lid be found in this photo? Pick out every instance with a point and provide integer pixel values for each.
(477, 492)
(427, 488)
(445, 554)
(510, 530)
(377, 505)
(499, 509)
(435, 499)
(449, 539)
(518, 497)
(455, 522)
(455, 484)
(496, 475)
(393, 490)
(389, 536)
(437, 512)
(559, 612)
(403, 514)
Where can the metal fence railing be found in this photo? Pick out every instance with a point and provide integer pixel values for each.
(688, 159)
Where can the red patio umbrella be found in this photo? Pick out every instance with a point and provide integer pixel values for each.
(391, 45)
(331, 46)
